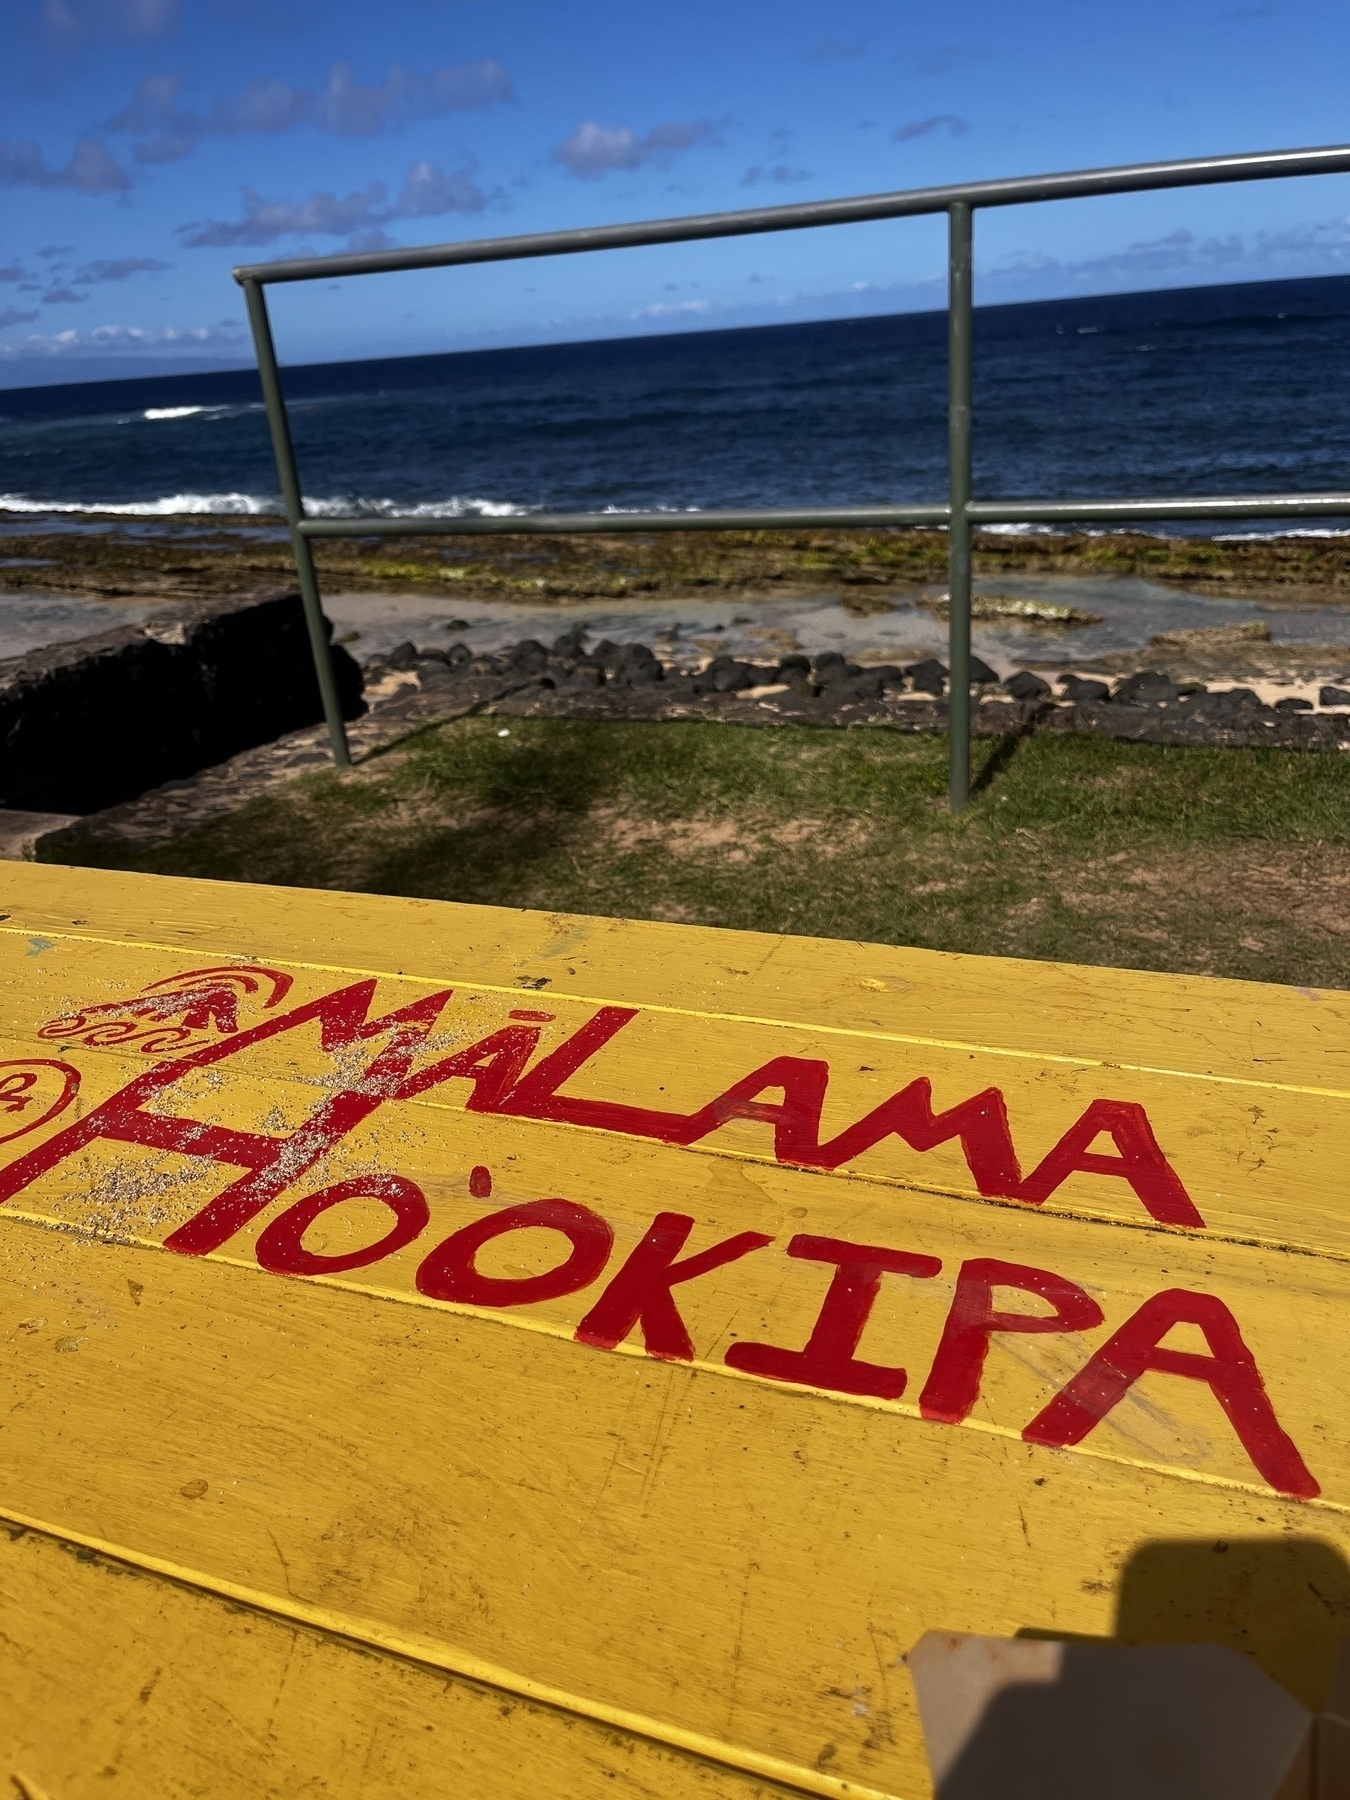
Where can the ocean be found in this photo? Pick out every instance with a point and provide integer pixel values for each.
(1238, 389)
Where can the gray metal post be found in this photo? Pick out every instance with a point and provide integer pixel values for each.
(958, 485)
(284, 451)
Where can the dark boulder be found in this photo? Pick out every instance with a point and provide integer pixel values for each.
(1079, 689)
(928, 676)
(725, 675)
(981, 675)
(868, 685)
(1293, 704)
(528, 657)
(1026, 686)
(403, 656)
(831, 666)
(1146, 688)
(88, 724)
(1219, 708)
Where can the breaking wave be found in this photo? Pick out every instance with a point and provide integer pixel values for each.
(265, 506)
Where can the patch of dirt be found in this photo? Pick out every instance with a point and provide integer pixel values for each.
(736, 837)
(1308, 891)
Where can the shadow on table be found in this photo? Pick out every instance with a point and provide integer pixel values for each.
(1076, 1718)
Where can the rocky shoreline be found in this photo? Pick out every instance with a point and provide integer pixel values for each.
(568, 679)
(411, 690)
(195, 558)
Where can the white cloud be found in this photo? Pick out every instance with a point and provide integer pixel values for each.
(124, 339)
(90, 170)
(341, 105)
(917, 128)
(116, 270)
(67, 25)
(426, 193)
(777, 172)
(595, 149)
(1180, 258)
(666, 309)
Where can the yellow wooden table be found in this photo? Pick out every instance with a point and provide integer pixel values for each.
(459, 1351)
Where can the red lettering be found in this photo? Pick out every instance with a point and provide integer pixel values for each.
(828, 1361)
(640, 1292)
(796, 1120)
(274, 1162)
(981, 1124)
(1139, 1160)
(449, 1273)
(1229, 1370)
(492, 1065)
(281, 1249)
(537, 1097)
(953, 1383)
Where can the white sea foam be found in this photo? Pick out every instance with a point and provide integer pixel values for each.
(455, 507)
(236, 505)
(265, 506)
(176, 412)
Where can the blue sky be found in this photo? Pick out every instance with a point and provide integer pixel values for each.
(151, 144)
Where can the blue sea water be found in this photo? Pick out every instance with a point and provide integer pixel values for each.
(1240, 389)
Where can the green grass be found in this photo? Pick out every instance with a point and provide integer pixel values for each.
(1220, 861)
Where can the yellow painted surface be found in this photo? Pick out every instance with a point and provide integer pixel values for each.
(327, 1533)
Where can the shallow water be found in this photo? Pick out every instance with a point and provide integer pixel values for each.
(31, 621)
(685, 632)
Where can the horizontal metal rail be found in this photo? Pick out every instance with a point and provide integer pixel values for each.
(847, 518)
(959, 514)
(865, 209)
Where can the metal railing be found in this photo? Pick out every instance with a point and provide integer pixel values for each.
(960, 513)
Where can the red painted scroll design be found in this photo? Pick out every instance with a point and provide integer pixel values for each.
(26, 1097)
(202, 1000)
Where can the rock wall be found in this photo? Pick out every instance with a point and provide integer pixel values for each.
(85, 725)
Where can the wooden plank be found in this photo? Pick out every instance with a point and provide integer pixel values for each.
(598, 1496)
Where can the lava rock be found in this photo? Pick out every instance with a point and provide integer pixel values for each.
(1148, 687)
(928, 676)
(528, 657)
(403, 656)
(1026, 686)
(1333, 696)
(1219, 708)
(831, 666)
(981, 675)
(1293, 705)
(457, 655)
(725, 675)
(1078, 689)
(867, 685)
(569, 645)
